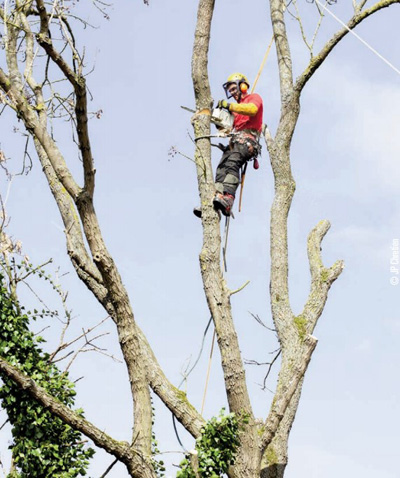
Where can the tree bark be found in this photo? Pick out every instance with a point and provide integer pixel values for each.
(264, 444)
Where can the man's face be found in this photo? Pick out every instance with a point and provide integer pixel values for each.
(233, 91)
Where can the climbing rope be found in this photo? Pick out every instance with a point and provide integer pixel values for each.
(243, 175)
(208, 373)
(262, 64)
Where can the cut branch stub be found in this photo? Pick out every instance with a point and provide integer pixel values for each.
(321, 277)
(318, 271)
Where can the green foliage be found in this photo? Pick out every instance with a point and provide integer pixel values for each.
(158, 465)
(43, 446)
(216, 447)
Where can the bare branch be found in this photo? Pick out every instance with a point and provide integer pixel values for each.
(63, 345)
(361, 5)
(285, 393)
(257, 318)
(109, 468)
(321, 17)
(79, 84)
(317, 60)
(270, 365)
(232, 292)
(4, 424)
(297, 17)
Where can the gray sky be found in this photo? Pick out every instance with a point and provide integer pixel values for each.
(345, 162)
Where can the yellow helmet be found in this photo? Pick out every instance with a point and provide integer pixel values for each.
(241, 82)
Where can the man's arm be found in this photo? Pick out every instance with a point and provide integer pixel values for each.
(247, 109)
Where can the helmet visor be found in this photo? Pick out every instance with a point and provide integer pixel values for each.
(231, 88)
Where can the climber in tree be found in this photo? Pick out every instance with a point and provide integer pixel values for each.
(244, 143)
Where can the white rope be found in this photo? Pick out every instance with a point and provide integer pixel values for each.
(359, 38)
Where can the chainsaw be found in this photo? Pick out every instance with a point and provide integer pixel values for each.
(222, 119)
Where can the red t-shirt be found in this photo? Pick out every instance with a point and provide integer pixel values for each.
(250, 122)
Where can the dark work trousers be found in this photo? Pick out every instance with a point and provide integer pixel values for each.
(228, 170)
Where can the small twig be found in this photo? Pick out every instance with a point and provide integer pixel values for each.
(270, 368)
(203, 165)
(32, 271)
(36, 295)
(42, 330)
(94, 349)
(173, 152)
(298, 18)
(62, 358)
(362, 5)
(65, 345)
(254, 362)
(257, 318)
(321, 17)
(4, 424)
(26, 155)
(170, 451)
(240, 288)
(109, 468)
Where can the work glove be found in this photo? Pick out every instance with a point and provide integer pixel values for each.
(223, 105)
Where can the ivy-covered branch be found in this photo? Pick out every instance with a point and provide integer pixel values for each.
(71, 418)
(43, 445)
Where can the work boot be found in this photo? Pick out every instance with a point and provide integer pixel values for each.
(223, 203)
(197, 212)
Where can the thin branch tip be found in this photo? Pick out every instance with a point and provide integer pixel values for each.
(240, 288)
